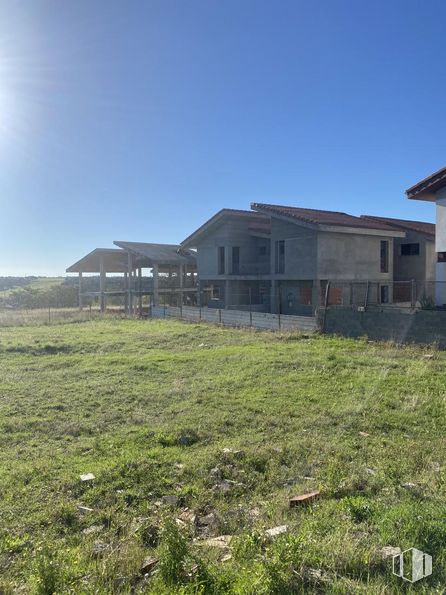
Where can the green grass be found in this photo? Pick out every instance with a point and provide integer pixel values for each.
(149, 406)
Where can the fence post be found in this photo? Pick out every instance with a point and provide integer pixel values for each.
(164, 302)
(219, 315)
(413, 294)
(279, 295)
(181, 304)
(366, 297)
(49, 314)
(250, 307)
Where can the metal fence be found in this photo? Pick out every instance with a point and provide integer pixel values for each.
(424, 295)
(52, 315)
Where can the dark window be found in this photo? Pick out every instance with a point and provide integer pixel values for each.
(235, 260)
(441, 256)
(221, 260)
(410, 249)
(280, 256)
(262, 251)
(384, 256)
(384, 294)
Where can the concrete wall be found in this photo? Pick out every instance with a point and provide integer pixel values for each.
(419, 267)
(344, 256)
(232, 232)
(440, 229)
(300, 250)
(239, 318)
(423, 326)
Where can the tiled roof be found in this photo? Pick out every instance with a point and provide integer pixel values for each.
(431, 183)
(423, 227)
(317, 217)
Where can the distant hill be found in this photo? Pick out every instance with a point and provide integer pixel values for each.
(37, 292)
(41, 292)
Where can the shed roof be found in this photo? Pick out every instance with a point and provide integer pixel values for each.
(323, 219)
(115, 261)
(161, 254)
(426, 188)
(423, 227)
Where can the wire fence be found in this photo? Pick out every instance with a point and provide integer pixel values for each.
(293, 298)
(423, 295)
(52, 315)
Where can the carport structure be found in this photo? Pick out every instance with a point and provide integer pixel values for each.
(173, 269)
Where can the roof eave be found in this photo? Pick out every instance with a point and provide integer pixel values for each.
(426, 195)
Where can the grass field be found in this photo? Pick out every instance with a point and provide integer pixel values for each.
(148, 407)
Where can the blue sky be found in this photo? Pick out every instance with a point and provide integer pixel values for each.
(138, 119)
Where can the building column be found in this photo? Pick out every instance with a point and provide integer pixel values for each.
(155, 273)
(226, 294)
(181, 273)
(102, 275)
(140, 290)
(129, 284)
(126, 294)
(80, 290)
(273, 297)
(316, 295)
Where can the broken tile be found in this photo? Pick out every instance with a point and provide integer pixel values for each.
(232, 451)
(84, 509)
(171, 500)
(148, 565)
(187, 516)
(87, 477)
(276, 531)
(304, 499)
(222, 541)
(389, 551)
(409, 485)
(207, 520)
(92, 529)
(99, 548)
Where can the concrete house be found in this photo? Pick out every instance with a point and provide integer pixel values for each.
(414, 258)
(279, 258)
(233, 259)
(310, 247)
(433, 189)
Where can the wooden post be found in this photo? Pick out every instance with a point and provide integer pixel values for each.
(102, 282)
(80, 290)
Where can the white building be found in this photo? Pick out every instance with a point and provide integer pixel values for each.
(433, 189)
